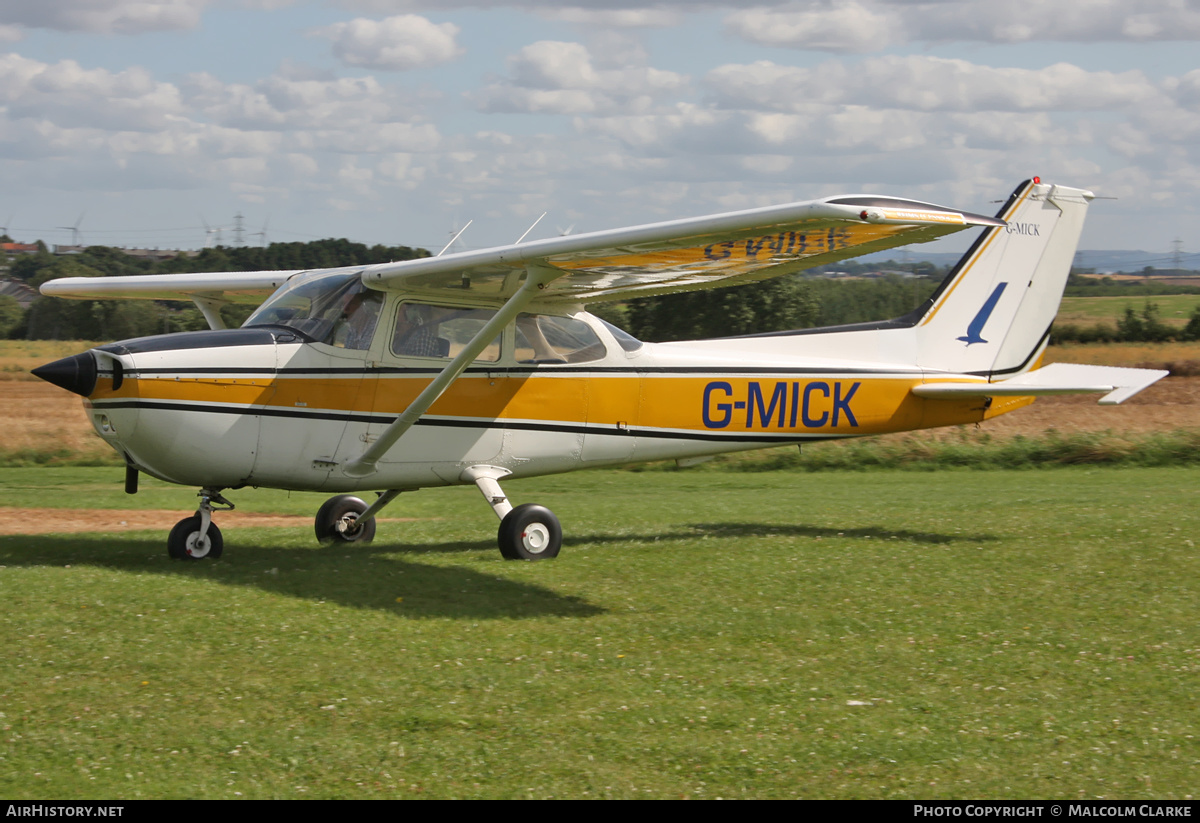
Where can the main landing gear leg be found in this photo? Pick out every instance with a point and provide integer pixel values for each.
(197, 537)
(527, 532)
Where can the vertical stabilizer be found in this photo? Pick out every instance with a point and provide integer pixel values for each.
(992, 315)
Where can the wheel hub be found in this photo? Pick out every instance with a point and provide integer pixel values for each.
(348, 525)
(535, 538)
(197, 547)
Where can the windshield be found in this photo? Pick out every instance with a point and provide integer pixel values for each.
(624, 339)
(334, 308)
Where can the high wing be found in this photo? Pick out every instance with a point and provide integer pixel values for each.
(208, 290)
(225, 286)
(684, 255)
(658, 258)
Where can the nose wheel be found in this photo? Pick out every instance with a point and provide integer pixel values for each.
(186, 542)
(197, 537)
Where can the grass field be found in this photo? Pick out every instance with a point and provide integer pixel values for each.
(1174, 309)
(886, 634)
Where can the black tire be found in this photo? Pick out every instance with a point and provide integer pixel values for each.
(529, 532)
(182, 543)
(334, 519)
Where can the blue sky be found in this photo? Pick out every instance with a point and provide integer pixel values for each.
(394, 121)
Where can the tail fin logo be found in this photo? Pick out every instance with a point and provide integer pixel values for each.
(975, 329)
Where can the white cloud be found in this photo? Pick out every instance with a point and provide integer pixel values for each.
(71, 96)
(927, 84)
(127, 131)
(869, 25)
(561, 78)
(404, 41)
(619, 18)
(312, 110)
(104, 16)
(850, 27)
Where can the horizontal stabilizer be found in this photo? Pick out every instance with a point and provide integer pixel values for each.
(1117, 384)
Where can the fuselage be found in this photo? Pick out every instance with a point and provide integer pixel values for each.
(265, 406)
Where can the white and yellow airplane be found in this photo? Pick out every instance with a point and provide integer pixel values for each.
(475, 366)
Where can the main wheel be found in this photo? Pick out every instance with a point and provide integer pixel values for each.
(184, 542)
(530, 532)
(337, 521)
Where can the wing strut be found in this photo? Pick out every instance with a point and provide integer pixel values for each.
(210, 307)
(537, 275)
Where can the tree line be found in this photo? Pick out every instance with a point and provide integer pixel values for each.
(1145, 326)
(50, 318)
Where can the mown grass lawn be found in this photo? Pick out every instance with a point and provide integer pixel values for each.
(978, 634)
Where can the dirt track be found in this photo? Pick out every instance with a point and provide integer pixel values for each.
(74, 521)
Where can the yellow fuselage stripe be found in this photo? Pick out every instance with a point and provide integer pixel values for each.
(777, 404)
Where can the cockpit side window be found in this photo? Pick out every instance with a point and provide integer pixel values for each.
(355, 325)
(546, 338)
(335, 309)
(423, 330)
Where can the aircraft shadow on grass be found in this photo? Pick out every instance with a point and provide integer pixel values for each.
(349, 576)
(821, 532)
(378, 575)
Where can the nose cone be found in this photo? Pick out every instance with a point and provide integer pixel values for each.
(75, 374)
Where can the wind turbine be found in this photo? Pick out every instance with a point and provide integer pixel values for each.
(209, 231)
(74, 230)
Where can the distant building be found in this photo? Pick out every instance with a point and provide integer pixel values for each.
(141, 254)
(23, 293)
(158, 254)
(19, 248)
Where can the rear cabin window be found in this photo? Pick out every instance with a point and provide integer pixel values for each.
(422, 330)
(545, 338)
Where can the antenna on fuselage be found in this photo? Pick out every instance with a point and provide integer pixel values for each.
(528, 230)
(455, 237)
